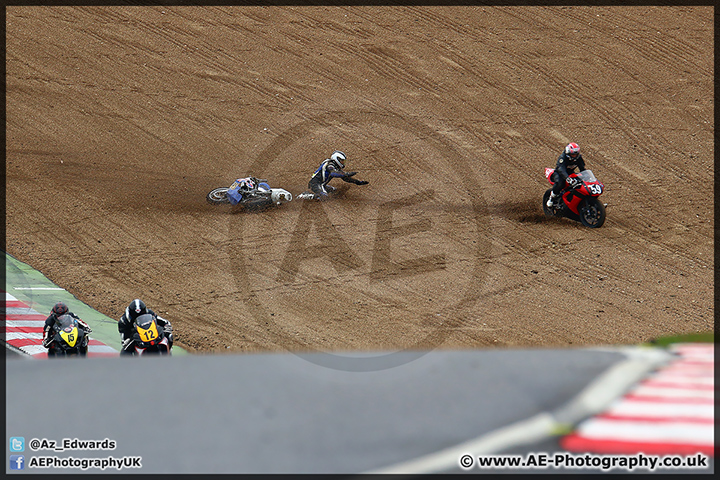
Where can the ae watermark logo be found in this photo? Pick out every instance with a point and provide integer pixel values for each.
(400, 259)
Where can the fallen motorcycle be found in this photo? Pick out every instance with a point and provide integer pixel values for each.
(261, 197)
(149, 337)
(69, 338)
(578, 200)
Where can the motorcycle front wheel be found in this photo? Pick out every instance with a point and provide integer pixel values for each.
(218, 196)
(592, 213)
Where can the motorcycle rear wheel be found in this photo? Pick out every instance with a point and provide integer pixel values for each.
(592, 213)
(547, 210)
(218, 196)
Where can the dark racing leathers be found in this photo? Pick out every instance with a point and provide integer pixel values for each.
(49, 330)
(327, 171)
(565, 166)
(126, 327)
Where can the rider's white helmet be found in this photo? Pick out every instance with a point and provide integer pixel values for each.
(338, 158)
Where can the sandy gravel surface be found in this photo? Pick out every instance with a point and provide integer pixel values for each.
(121, 119)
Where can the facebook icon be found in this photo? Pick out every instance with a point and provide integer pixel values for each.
(17, 462)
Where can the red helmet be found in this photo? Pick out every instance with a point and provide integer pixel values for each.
(59, 309)
(572, 149)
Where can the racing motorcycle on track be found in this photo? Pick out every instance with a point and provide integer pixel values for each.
(578, 200)
(259, 197)
(69, 339)
(149, 337)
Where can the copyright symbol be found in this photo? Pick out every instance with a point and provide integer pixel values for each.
(466, 461)
(34, 444)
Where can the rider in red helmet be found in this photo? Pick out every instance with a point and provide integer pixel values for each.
(567, 162)
(58, 310)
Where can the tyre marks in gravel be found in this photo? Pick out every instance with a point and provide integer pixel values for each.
(403, 255)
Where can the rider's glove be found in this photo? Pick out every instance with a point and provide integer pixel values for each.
(127, 343)
(362, 182)
(573, 182)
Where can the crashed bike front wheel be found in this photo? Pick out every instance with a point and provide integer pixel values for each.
(218, 196)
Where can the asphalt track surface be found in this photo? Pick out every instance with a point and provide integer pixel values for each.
(275, 413)
(283, 414)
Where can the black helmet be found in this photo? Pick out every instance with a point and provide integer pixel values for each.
(135, 309)
(59, 309)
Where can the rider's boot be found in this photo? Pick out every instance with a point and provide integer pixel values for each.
(551, 200)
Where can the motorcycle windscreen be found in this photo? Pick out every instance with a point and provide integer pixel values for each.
(587, 176)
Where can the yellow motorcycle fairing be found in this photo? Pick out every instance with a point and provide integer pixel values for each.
(149, 334)
(70, 336)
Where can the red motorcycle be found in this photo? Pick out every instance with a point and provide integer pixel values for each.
(578, 199)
